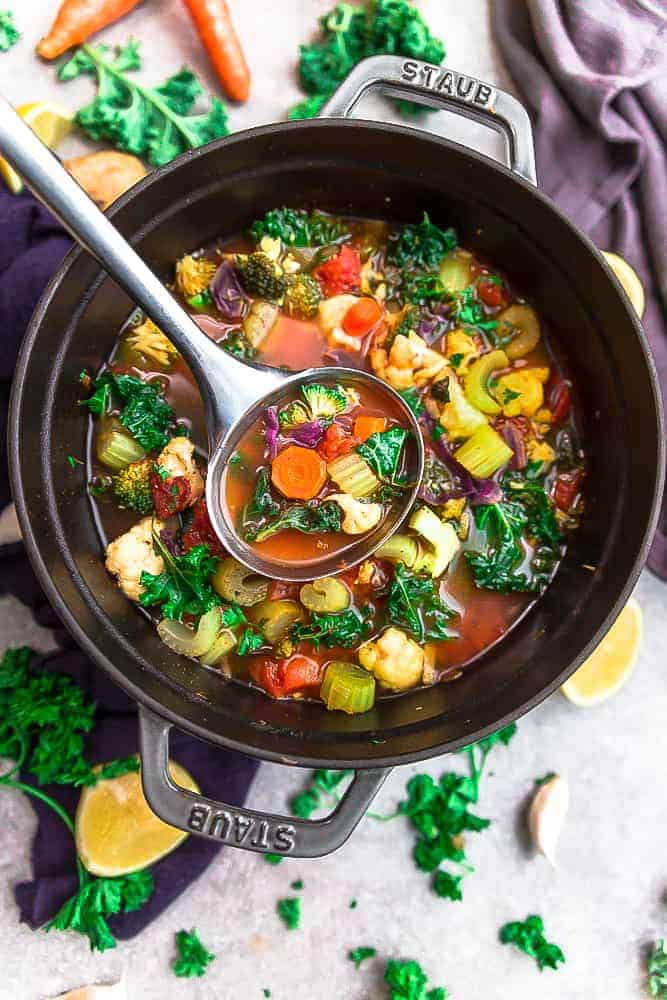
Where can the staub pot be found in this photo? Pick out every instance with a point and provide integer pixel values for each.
(361, 168)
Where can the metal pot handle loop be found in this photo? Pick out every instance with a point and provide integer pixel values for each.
(441, 88)
(248, 829)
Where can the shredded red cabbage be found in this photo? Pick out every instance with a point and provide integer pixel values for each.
(513, 434)
(476, 491)
(227, 293)
(271, 428)
(434, 322)
(309, 435)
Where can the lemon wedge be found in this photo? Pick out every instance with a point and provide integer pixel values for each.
(51, 122)
(629, 280)
(607, 669)
(115, 829)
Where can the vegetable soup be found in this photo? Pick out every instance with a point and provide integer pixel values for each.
(500, 494)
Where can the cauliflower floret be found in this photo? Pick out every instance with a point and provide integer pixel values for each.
(395, 659)
(462, 346)
(131, 554)
(331, 311)
(459, 417)
(410, 362)
(359, 517)
(521, 392)
(540, 451)
(176, 458)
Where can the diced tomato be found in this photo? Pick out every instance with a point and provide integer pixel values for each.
(364, 426)
(281, 589)
(201, 531)
(559, 398)
(491, 293)
(341, 273)
(567, 488)
(362, 317)
(337, 441)
(282, 677)
(171, 495)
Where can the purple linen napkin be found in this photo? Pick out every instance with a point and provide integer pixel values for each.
(594, 77)
(32, 246)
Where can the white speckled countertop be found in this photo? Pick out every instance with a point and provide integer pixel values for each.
(603, 904)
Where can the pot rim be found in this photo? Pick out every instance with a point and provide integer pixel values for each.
(88, 645)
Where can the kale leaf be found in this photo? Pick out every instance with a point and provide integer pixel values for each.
(183, 587)
(298, 228)
(261, 505)
(151, 122)
(414, 604)
(469, 311)
(350, 33)
(343, 628)
(541, 520)
(382, 451)
(324, 516)
(145, 413)
(421, 246)
(413, 400)
(495, 567)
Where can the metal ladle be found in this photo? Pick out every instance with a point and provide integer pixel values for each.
(234, 393)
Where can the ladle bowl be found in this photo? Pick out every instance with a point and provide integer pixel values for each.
(234, 393)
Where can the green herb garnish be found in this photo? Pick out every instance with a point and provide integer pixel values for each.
(151, 122)
(413, 400)
(528, 936)
(343, 628)
(251, 640)
(183, 587)
(325, 516)
(289, 911)
(407, 981)
(145, 412)
(323, 785)
(298, 228)
(359, 955)
(193, 958)
(9, 34)
(297, 884)
(421, 246)
(456, 360)
(117, 768)
(274, 859)
(545, 779)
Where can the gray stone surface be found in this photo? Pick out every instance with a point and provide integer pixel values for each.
(603, 903)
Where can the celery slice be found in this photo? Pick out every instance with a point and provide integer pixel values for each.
(353, 475)
(115, 448)
(348, 688)
(484, 452)
(189, 641)
(399, 548)
(477, 377)
(224, 644)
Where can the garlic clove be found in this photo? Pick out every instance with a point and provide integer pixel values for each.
(113, 991)
(546, 816)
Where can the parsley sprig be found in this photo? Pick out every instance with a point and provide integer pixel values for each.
(657, 970)
(407, 981)
(528, 936)
(44, 718)
(193, 958)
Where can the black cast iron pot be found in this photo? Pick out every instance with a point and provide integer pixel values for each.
(370, 169)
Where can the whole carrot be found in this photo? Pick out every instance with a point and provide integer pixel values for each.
(214, 25)
(77, 20)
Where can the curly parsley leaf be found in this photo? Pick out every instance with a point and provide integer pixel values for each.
(96, 900)
(528, 936)
(407, 981)
(193, 958)
(323, 785)
(251, 640)
(359, 955)
(289, 911)
(117, 768)
(414, 604)
(183, 586)
(152, 122)
(9, 34)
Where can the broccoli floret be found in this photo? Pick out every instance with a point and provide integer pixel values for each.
(132, 486)
(261, 276)
(293, 414)
(325, 400)
(303, 296)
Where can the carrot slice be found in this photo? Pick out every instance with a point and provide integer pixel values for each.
(214, 25)
(77, 20)
(298, 473)
(364, 426)
(362, 317)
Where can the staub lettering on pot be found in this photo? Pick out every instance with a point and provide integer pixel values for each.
(449, 83)
(240, 828)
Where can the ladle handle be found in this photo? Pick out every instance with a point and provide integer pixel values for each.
(236, 826)
(223, 380)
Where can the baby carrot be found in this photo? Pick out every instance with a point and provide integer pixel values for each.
(298, 473)
(77, 20)
(214, 24)
(364, 426)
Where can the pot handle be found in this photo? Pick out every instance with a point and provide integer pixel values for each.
(441, 88)
(248, 829)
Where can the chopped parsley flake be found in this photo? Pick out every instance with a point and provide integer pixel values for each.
(289, 911)
(359, 955)
(528, 936)
(193, 957)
